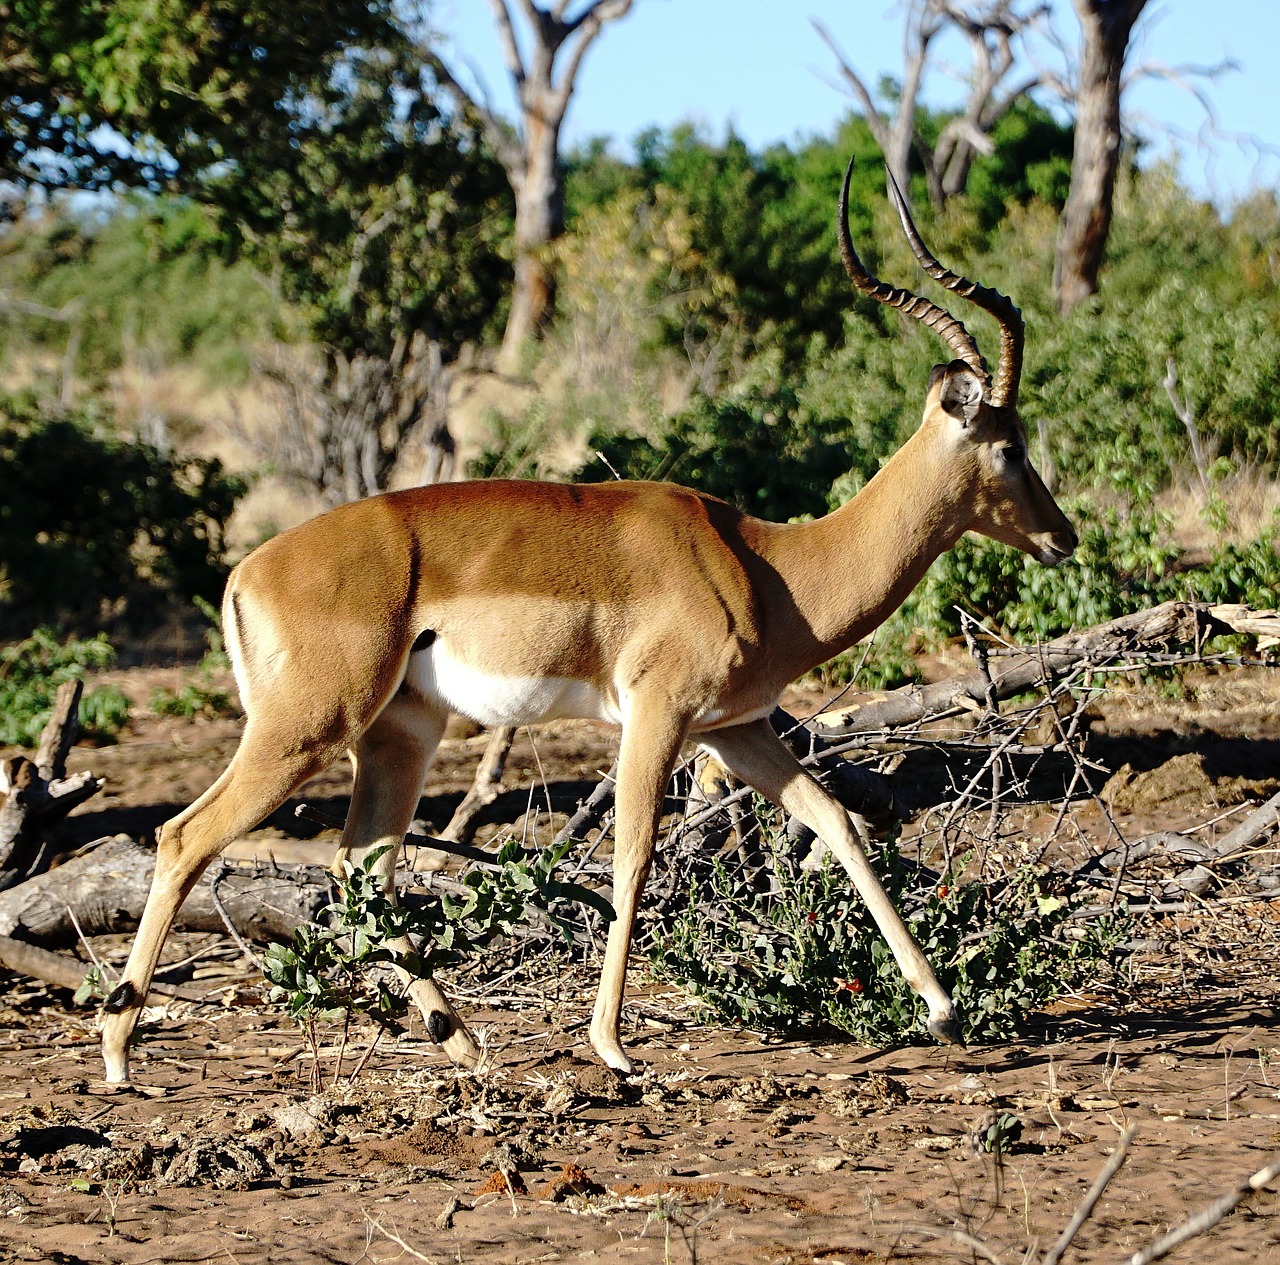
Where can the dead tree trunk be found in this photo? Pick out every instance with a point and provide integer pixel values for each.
(530, 154)
(990, 31)
(1105, 28)
(343, 431)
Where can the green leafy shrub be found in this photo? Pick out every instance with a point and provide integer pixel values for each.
(95, 527)
(147, 284)
(325, 974)
(753, 448)
(30, 673)
(197, 696)
(1247, 572)
(1123, 562)
(1001, 1134)
(808, 954)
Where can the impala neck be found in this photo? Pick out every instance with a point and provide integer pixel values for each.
(851, 570)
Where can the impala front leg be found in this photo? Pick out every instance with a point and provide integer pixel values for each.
(757, 755)
(651, 739)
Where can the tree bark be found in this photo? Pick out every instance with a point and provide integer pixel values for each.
(539, 190)
(530, 155)
(1105, 28)
(105, 889)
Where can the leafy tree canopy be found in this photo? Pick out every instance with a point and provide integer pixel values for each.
(766, 221)
(382, 214)
(183, 85)
(305, 126)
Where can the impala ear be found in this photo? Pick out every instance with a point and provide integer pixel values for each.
(961, 392)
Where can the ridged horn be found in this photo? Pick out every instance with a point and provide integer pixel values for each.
(1004, 391)
(938, 319)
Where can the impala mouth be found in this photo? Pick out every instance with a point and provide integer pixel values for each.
(1051, 552)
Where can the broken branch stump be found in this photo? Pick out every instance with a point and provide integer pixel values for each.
(38, 794)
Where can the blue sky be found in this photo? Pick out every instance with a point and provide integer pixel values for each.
(760, 66)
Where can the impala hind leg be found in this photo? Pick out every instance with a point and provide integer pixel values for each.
(757, 755)
(650, 744)
(256, 782)
(392, 759)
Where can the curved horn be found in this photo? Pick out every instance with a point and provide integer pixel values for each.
(1004, 392)
(929, 314)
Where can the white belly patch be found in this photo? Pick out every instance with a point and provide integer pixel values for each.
(490, 699)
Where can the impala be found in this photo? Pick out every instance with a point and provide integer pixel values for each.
(657, 608)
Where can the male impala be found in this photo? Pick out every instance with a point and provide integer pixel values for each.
(663, 610)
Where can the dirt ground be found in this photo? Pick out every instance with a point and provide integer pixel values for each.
(726, 1146)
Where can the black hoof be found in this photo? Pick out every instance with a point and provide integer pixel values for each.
(124, 997)
(946, 1031)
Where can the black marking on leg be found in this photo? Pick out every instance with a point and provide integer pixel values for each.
(123, 997)
(423, 640)
(439, 1026)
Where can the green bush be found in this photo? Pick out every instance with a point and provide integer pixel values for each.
(325, 974)
(1248, 572)
(97, 528)
(30, 673)
(807, 954)
(148, 284)
(1123, 564)
(198, 696)
(753, 448)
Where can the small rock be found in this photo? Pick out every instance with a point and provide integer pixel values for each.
(304, 1119)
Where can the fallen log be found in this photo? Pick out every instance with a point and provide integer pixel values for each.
(1252, 828)
(817, 742)
(1161, 628)
(106, 887)
(1199, 876)
(64, 972)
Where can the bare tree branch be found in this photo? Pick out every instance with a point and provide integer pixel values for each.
(530, 152)
(588, 25)
(498, 132)
(1090, 1201)
(507, 36)
(990, 32)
